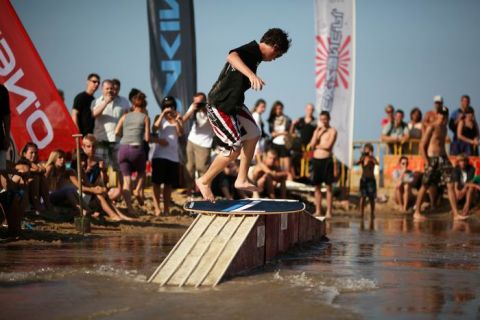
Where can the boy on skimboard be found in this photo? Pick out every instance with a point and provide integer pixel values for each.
(232, 122)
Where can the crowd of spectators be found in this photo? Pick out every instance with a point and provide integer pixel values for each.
(119, 139)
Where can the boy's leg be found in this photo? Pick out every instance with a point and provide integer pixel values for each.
(204, 183)
(372, 207)
(329, 201)
(250, 137)
(246, 155)
(318, 200)
(418, 215)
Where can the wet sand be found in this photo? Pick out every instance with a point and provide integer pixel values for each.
(391, 267)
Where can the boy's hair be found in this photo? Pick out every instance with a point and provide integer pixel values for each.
(273, 152)
(116, 82)
(132, 93)
(369, 146)
(27, 146)
(277, 37)
(91, 75)
(402, 158)
(90, 137)
(325, 113)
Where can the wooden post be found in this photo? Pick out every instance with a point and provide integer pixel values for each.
(82, 223)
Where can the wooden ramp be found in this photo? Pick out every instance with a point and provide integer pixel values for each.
(206, 250)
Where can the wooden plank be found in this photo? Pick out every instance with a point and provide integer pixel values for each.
(214, 252)
(236, 242)
(195, 254)
(181, 249)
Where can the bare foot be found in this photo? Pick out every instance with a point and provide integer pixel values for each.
(419, 217)
(205, 190)
(246, 186)
(457, 216)
(328, 215)
(158, 213)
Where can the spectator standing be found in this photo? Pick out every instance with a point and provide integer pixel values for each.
(455, 118)
(107, 111)
(279, 125)
(200, 139)
(438, 169)
(415, 130)
(403, 179)
(4, 133)
(323, 168)
(257, 111)
(467, 134)
(134, 128)
(81, 111)
(395, 133)
(305, 125)
(165, 159)
(389, 113)
(122, 101)
(368, 184)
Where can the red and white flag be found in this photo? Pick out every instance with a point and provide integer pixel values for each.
(335, 69)
(38, 113)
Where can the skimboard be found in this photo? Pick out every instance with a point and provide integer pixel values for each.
(246, 206)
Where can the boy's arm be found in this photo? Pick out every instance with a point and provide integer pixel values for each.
(237, 62)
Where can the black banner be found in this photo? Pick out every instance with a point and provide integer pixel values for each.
(173, 65)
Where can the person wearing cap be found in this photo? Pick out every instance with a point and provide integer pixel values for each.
(232, 122)
(165, 160)
(438, 169)
(454, 121)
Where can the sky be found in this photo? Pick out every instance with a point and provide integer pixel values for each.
(406, 51)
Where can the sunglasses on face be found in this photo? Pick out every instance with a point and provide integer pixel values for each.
(94, 81)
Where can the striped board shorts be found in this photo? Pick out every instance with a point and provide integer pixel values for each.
(231, 130)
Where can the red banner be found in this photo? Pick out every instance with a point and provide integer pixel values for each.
(38, 113)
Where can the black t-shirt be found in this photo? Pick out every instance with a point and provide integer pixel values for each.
(82, 103)
(228, 92)
(306, 130)
(4, 111)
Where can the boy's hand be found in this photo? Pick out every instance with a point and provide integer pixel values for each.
(256, 83)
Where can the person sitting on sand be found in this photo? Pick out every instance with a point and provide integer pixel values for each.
(93, 175)
(63, 182)
(38, 188)
(368, 184)
(231, 120)
(438, 169)
(11, 199)
(403, 178)
(269, 176)
(463, 173)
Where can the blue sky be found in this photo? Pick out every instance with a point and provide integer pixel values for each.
(407, 51)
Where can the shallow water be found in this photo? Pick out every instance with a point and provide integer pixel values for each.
(394, 268)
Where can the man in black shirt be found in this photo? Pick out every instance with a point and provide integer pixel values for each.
(235, 129)
(81, 112)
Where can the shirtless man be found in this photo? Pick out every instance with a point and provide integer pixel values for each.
(438, 169)
(268, 176)
(323, 167)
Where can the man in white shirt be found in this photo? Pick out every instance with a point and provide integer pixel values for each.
(107, 110)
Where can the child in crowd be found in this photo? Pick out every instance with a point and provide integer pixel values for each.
(403, 179)
(368, 184)
(38, 188)
(165, 160)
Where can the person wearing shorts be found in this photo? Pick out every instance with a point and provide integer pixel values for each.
(134, 127)
(234, 127)
(165, 159)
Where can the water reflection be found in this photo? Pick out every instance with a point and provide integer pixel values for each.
(394, 267)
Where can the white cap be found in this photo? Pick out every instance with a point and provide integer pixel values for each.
(438, 99)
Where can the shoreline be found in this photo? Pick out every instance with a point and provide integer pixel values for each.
(39, 230)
